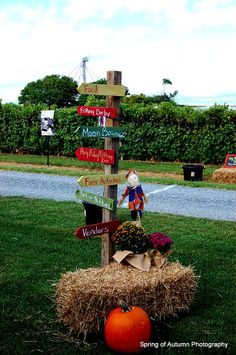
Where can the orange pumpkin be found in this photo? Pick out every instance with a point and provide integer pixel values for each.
(126, 327)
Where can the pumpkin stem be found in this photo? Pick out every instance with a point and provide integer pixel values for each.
(124, 306)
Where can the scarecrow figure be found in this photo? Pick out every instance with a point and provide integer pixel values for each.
(136, 195)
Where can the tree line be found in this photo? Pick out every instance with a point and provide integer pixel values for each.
(61, 91)
(161, 132)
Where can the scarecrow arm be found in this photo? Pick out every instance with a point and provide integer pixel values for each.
(123, 196)
(145, 198)
(121, 200)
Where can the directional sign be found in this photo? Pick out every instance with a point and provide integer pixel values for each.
(97, 111)
(101, 89)
(98, 180)
(103, 202)
(106, 156)
(97, 229)
(100, 132)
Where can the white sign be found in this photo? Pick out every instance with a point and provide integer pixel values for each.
(102, 121)
(47, 123)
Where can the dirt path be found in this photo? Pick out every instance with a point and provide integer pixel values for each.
(55, 168)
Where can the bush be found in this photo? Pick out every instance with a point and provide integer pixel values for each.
(168, 132)
(164, 132)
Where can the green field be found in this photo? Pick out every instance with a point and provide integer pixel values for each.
(38, 245)
(152, 172)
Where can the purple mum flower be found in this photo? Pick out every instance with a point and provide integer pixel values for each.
(160, 242)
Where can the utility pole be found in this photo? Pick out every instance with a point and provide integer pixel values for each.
(84, 60)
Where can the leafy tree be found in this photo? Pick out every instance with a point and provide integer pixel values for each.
(52, 90)
(155, 99)
(169, 97)
(147, 100)
(166, 82)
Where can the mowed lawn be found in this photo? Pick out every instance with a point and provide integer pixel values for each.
(153, 172)
(38, 245)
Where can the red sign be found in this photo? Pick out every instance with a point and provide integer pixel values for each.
(97, 111)
(230, 161)
(106, 156)
(97, 229)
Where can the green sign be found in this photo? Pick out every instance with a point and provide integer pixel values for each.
(100, 132)
(101, 201)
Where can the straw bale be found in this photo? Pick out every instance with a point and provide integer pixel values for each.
(85, 297)
(225, 175)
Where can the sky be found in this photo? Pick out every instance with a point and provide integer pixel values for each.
(190, 42)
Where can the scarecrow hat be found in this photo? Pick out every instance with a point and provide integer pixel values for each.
(131, 172)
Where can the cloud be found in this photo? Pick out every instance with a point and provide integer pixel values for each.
(189, 42)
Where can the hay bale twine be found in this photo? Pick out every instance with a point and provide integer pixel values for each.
(225, 175)
(84, 298)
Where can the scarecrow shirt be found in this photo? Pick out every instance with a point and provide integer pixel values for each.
(136, 196)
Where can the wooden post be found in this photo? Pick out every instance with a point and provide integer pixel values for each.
(113, 78)
(48, 148)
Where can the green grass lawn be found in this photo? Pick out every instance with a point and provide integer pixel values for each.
(38, 245)
(142, 166)
(152, 172)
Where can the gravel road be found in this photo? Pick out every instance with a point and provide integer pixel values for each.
(196, 202)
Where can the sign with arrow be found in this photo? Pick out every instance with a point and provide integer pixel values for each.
(100, 132)
(97, 111)
(97, 229)
(101, 180)
(106, 156)
(104, 202)
(101, 89)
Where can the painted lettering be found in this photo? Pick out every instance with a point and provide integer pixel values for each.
(102, 112)
(97, 229)
(96, 155)
(109, 112)
(93, 180)
(91, 89)
(110, 180)
(94, 231)
(89, 182)
(89, 133)
(112, 132)
(97, 200)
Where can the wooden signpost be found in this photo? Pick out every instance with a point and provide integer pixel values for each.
(95, 155)
(100, 132)
(109, 156)
(97, 111)
(101, 180)
(101, 89)
(107, 249)
(97, 229)
(104, 202)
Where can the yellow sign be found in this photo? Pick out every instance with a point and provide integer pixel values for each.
(101, 89)
(98, 180)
